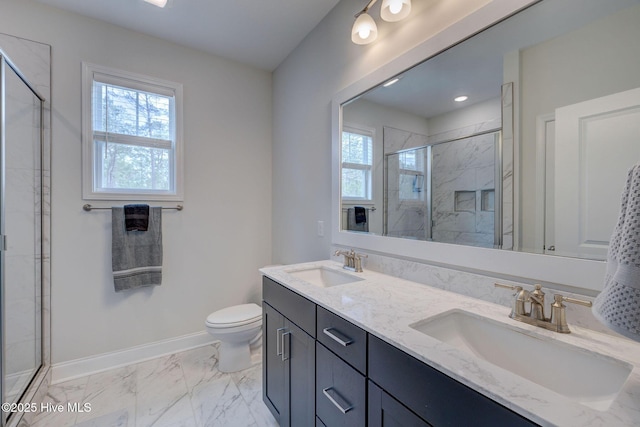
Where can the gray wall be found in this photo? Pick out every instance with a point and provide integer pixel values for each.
(303, 87)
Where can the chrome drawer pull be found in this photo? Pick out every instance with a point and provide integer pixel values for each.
(279, 341)
(327, 332)
(326, 391)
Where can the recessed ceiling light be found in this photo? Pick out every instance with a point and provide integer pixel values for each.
(392, 81)
(159, 3)
(461, 98)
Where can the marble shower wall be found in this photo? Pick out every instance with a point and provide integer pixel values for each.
(405, 218)
(463, 191)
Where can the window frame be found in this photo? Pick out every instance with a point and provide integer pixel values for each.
(139, 82)
(368, 132)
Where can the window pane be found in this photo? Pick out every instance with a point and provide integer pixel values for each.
(356, 148)
(131, 112)
(133, 167)
(408, 160)
(354, 183)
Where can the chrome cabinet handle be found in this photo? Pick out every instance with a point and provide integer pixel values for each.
(327, 332)
(326, 391)
(279, 341)
(285, 356)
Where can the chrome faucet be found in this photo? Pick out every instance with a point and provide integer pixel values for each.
(352, 260)
(535, 316)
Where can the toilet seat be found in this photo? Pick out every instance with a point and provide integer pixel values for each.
(238, 315)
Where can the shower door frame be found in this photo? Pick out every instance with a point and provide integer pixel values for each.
(5, 62)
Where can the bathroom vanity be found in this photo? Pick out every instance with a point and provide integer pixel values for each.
(349, 349)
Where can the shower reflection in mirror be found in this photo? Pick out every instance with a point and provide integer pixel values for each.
(444, 191)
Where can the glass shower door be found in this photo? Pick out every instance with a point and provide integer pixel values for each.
(21, 222)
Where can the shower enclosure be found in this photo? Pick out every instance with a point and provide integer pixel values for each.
(447, 191)
(21, 234)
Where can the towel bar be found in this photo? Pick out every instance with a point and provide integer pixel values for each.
(89, 208)
(372, 208)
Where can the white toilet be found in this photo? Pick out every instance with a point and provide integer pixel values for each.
(236, 327)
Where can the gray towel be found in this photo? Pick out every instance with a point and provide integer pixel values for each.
(618, 305)
(136, 256)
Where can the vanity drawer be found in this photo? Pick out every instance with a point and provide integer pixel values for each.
(343, 338)
(340, 391)
(298, 309)
(437, 398)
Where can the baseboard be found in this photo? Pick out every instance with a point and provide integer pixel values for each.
(66, 371)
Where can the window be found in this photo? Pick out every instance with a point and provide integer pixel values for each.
(131, 136)
(357, 159)
(411, 165)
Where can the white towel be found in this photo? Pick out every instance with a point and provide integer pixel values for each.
(618, 305)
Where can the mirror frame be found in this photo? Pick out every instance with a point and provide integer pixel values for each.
(579, 274)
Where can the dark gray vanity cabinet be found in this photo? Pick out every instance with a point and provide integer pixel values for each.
(288, 356)
(435, 397)
(321, 370)
(385, 411)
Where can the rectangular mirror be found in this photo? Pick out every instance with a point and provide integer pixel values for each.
(519, 137)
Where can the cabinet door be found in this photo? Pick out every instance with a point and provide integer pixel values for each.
(385, 411)
(300, 364)
(273, 365)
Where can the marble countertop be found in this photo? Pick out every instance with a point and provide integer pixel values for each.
(385, 306)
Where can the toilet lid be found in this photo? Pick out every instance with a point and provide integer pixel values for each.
(237, 315)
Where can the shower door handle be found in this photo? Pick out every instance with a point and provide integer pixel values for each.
(3, 242)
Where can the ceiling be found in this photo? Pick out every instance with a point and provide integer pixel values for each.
(259, 33)
(475, 67)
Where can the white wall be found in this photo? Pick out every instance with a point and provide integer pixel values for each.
(304, 84)
(482, 112)
(213, 248)
(576, 67)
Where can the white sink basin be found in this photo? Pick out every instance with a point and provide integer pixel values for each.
(324, 277)
(583, 376)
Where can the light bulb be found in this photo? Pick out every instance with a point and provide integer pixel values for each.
(364, 30)
(395, 7)
(395, 10)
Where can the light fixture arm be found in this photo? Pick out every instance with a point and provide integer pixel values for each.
(366, 8)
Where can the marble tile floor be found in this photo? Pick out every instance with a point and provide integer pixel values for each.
(182, 390)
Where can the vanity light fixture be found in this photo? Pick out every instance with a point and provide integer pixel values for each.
(461, 98)
(159, 3)
(365, 30)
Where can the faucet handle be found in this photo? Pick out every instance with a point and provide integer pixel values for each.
(513, 288)
(558, 314)
(357, 259)
(521, 296)
(557, 298)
